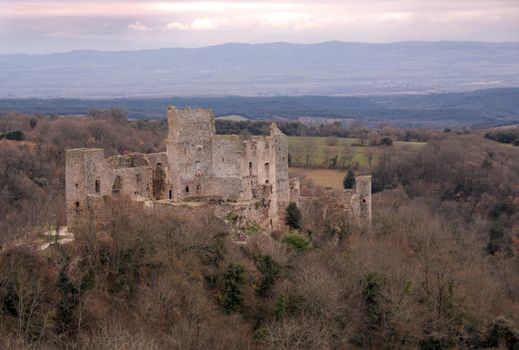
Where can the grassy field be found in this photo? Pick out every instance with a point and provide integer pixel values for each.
(347, 151)
(322, 177)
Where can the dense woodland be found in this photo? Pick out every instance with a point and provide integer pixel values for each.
(438, 269)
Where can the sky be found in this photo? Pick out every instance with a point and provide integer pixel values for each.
(45, 26)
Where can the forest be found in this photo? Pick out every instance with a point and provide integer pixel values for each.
(437, 269)
(483, 108)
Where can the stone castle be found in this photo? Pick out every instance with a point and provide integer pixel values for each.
(203, 171)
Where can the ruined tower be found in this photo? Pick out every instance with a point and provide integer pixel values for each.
(228, 174)
(82, 177)
(189, 150)
(363, 188)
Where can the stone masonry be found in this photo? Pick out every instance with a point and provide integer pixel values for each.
(221, 174)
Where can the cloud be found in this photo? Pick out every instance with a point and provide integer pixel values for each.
(205, 22)
(178, 26)
(138, 26)
(201, 24)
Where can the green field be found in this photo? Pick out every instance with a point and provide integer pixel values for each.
(347, 150)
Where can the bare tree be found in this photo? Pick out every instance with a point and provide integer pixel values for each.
(332, 140)
(309, 148)
(347, 155)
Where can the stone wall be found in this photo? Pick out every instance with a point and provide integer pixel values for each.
(245, 174)
(332, 210)
(363, 188)
(134, 176)
(81, 174)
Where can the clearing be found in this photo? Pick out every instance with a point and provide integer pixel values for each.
(323, 177)
(347, 151)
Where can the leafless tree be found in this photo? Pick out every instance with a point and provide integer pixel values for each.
(309, 149)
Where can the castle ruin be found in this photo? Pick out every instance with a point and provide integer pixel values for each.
(204, 171)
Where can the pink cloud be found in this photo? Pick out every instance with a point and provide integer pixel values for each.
(195, 23)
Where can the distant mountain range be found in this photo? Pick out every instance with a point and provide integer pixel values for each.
(332, 69)
(482, 108)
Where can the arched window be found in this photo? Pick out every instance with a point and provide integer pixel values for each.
(118, 185)
(159, 177)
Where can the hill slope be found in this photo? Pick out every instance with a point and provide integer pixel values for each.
(333, 68)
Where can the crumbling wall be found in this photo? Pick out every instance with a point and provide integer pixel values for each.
(161, 187)
(363, 188)
(318, 212)
(133, 183)
(90, 175)
(295, 190)
(249, 175)
(351, 205)
(81, 174)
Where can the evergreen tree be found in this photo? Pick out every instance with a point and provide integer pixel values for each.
(349, 180)
(234, 281)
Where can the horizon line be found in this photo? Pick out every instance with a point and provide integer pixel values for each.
(266, 43)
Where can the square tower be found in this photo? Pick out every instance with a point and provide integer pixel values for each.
(189, 149)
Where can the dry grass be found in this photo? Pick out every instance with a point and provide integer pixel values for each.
(322, 177)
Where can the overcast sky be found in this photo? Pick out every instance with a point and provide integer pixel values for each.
(41, 26)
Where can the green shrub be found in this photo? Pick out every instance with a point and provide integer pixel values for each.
(496, 236)
(33, 122)
(16, 135)
(386, 141)
(341, 232)
(293, 216)
(371, 293)
(234, 282)
(280, 308)
(436, 342)
(504, 207)
(270, 271)
(503, 331)
(297, 242)
(232, 216)
(504, 136)
(251, 230)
